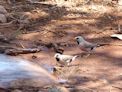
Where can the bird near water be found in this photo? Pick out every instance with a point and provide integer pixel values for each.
(85, 45)
(64, 59)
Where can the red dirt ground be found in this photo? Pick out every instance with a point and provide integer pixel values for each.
(99, 72)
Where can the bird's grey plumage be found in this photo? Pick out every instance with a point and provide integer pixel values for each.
(85, 45)
(64, 59)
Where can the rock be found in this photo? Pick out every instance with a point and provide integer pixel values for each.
(49, 68)
(3, 10)
(119, 36)
(120, 2)
(3, 18)
(16, 72)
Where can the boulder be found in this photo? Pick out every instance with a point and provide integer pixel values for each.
(16, 72)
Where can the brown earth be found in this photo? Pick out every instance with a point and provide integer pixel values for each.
(99, 72)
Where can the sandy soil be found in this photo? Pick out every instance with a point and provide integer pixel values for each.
(99, 72)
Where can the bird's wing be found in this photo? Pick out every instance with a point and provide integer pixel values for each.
(89, 45)
(66, 58)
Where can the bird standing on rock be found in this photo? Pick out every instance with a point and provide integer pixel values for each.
(64, 59)
(85, 45)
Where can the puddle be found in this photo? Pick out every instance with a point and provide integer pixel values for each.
(12, 69)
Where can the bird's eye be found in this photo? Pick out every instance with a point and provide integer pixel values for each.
(57, 56)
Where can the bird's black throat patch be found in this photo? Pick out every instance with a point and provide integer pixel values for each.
(78, 42)
(92, 48)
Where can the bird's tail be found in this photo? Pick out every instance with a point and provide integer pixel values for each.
(74, 57)
(99, 45)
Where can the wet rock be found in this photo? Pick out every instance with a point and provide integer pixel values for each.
(3, 18)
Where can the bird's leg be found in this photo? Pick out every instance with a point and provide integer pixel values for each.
(84, 54)
(56, 64)
(87, 54)
(68, 64)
